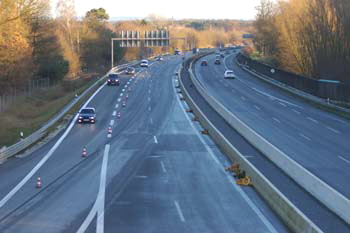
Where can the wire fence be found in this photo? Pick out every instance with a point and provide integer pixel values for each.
(326, 89)
(13, 93)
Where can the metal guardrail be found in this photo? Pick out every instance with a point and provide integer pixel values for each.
(288, 212)
(40, 133)
(327, 195)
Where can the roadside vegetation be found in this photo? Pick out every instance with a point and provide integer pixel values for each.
(69, 50)
(310, 37)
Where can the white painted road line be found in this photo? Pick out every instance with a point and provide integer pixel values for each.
(179, 211)
(111, 123)
(101, 193)
(243, 98)
(333, 130)
(163, 167)
(115, 112)
(121, 94)
(275, 119)
(141, 177)
(119, 99)
(282, 104)
(155, 139)
(151, 121)
(149, 108)
(149, 99)
(117, 105)
(273, 97)
(257, 107)
(251, 204)
(47, 156)
(123, 90)
(303, 136)
(297, 112)
(312, 119)
(344, 159)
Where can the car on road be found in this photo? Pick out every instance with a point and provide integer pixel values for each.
(144, 63)
(222, 55)
(130, 70)
(113, 80)
(159, 58)
(87, 115)
(229, 74)
(204, 63)
(217, 62)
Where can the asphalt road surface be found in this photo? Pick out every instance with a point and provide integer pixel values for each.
(154, 173)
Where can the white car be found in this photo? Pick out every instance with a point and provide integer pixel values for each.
(229, 74)
(144, 63)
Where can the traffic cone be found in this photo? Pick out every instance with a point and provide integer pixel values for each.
(38, 182)
(84, 153)
(109, 130)
(119, 115)
(127, 96)
(124, 104)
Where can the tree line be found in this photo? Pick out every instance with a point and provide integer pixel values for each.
(36, 45)
(310, 37)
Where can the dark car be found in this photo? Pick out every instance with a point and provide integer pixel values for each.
(217, 62)
(204, 63)
(159, 58)
(87, 115)
(222, 55)
(130, 70)
(113, 80)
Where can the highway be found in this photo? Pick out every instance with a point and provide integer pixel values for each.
(155, 173)
(317, 140)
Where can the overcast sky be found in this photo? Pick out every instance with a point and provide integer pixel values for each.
(179, 9)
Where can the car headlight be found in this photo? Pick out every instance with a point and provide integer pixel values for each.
(80, 117)
(92, 118)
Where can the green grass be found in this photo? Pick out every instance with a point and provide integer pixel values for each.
(28, 114)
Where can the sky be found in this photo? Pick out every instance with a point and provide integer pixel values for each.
(178, 9)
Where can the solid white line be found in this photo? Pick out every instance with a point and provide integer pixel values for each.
(163, 167)
(312, 119)
(256, 107)
(297, 112)
(274, 97)
(344, 159)
(155, 139)
(141, 177)
(101, 193)
(112, 122)
(282, 104)
(302, 135)
(258, 212)
(47, 156)
(114, 112)
(275, 119)
(179, 211)
(154, 156)
(334, 130)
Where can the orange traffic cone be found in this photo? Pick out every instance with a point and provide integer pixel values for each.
(38, 182)
(84, 153)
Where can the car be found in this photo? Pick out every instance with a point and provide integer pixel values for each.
(113, 80)
(159, 58)
(177, 52)
(204, 63)
(222, 55)
(217, 62)
(87, 115)
(229, 74)
(144, 63)
(130, 70)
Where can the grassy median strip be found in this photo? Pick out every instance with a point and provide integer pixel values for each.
(28, 114)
